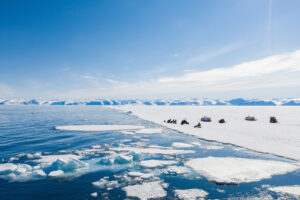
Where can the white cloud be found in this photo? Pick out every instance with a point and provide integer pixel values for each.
(288, 62)
(88, 77)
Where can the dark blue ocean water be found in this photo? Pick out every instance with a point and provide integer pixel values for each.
(27, 132)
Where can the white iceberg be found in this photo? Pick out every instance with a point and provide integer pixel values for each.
(238, 170)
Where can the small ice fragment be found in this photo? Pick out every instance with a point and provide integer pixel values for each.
(156, 163)
(95, 194)
(175, 170)
(181, 145)
(140, 174)
(96, 146)
(191, 194)
(7, 167)
(145, 191)
(292, 189)
(56, 173)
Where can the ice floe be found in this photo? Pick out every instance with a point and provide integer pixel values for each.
(140, 174)
(98, 127)
(181, 145)
(260, 136)
(175, 170)
(152, 150)
(149, 130)
(238, 170)
(191, 194)
(105, 183)
(56, 173)
(146, 190)
(156, 163)
(291, 189)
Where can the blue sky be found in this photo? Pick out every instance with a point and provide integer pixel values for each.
(149, 49)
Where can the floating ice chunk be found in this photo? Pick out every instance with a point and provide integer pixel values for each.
(146, 191)
(238, 170)
(292, 190)
(152, 150)
(156, 163)
(7, 168)
(149, 130)
(105, 183)
(96, 146)
(140, 174)
(98, 127)
(40, 172)
(56, 173)
(181, 145)
(175, 170)
(95, 194)
(53, 158)
(128, 132)
(191, 194)
(116, 159)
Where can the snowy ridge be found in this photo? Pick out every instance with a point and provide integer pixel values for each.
(159, 102)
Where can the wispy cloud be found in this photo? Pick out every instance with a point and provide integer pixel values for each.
(207, 56)
(288, 62)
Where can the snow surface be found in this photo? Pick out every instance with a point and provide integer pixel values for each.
(238, 170)
(156, 163)
(259, 135)
(191, 194)
(292, 189)
(98, 127)
(150, 190)
(181, 145)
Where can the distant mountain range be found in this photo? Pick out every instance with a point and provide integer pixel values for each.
(159, 102)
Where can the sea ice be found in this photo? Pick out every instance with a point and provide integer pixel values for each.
(292, 189)
(152, 150)
(149, 130)
(156, 163)
(145, 191)
(56, 173)
(259, 135)
(175, 170)
(95, 194)
(238, 170)
(98, 127)
(191, 194)
(181, 145)
(140, 174)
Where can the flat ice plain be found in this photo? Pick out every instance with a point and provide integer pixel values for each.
(281, 139)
